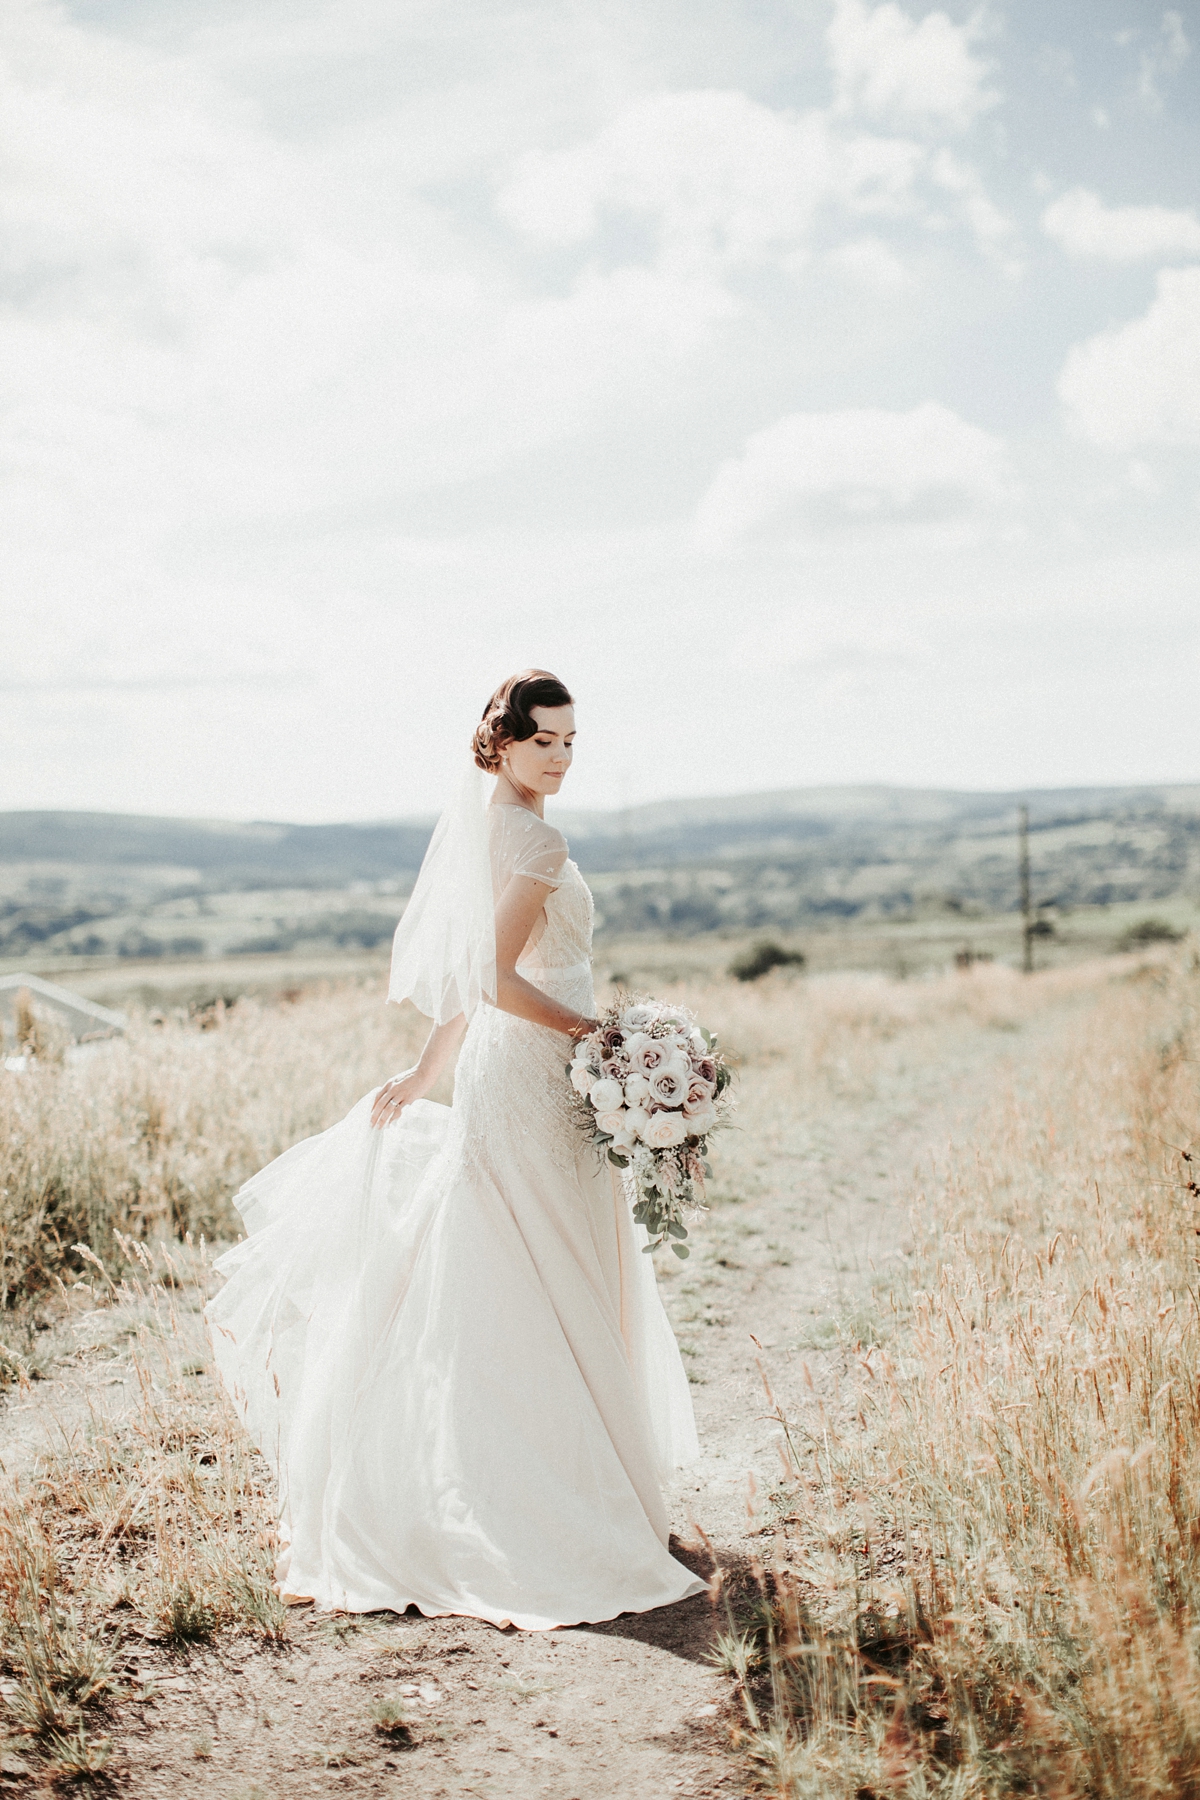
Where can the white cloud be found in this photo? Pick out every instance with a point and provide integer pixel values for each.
(861, 464)
(1140, 383)
(1164, 59)
(1084, 226)
(722, 179)
(870, 263)
(992, 229)
(888, 65)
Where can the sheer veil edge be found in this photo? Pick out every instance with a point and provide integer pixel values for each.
(444, 951)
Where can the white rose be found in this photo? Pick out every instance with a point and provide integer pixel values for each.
(636, 1018)
(665, 1130)
(636, 1089)
(624, 1139)
(612, 1121)
(581, 1078)
(636, 1121)
(606, 1095)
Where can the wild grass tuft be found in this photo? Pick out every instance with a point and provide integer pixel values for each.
(393, 1719)
(186, 1614)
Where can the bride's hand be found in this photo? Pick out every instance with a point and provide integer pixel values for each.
(395, 1095)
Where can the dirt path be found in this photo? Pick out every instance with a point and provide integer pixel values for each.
(631, 1708)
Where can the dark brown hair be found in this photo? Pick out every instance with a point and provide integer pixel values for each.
(508, 715)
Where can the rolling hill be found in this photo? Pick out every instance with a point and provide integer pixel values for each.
(99, 884)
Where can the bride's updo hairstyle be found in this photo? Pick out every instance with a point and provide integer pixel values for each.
(508, 715)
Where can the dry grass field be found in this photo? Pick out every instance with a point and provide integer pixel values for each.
(986, 1573)
(957, 1217)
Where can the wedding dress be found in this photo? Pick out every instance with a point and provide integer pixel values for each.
(446, 1340)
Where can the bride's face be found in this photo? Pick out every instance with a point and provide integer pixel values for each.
(538, 763)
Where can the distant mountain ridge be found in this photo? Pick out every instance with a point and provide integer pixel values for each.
(254, 852)
(100, 884)
(275, 851)
(878, 803)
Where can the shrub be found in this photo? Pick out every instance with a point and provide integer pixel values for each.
(761, 958)
(1149, 931)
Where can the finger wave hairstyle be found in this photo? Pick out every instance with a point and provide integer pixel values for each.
(508, 715)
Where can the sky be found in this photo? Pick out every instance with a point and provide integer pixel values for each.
(813, 385)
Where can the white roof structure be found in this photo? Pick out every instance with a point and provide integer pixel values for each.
(83, 1017)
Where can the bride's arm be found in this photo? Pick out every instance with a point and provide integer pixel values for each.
(516, 915)
(398, 1093)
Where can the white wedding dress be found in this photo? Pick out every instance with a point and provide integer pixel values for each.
(445, 1338)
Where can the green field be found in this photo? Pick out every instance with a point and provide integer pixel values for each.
(907, 948)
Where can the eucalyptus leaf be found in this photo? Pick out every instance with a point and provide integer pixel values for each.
(681, 1250)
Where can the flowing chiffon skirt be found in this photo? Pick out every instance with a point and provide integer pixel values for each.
(446, 1340)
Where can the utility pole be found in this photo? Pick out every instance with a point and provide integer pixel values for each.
(1026, 901)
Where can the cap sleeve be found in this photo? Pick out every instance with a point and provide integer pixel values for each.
(541, 852)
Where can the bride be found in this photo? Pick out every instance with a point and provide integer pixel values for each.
(439, 1327)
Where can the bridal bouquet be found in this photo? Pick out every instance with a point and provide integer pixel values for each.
(651, 1088)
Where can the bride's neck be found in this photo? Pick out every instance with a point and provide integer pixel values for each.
(511, 793)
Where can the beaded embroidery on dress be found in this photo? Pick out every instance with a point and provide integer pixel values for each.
(446, 1340)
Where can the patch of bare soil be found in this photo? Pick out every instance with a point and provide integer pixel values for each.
(811, 1226)
(434, 1707)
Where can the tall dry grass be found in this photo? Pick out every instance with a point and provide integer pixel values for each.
(151, 1134)
(151, 1516)
(146, 1516)
(986, 1578)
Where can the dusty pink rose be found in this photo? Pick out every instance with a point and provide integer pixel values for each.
(700, 1123)
(699, 1096)
(650, 1055)
(706, 1069)
(612, 1122)
(668, 1086)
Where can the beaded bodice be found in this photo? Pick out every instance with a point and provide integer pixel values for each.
(523, 844)
(511, 1079)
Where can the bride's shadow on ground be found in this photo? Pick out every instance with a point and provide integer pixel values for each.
(688, 1628)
